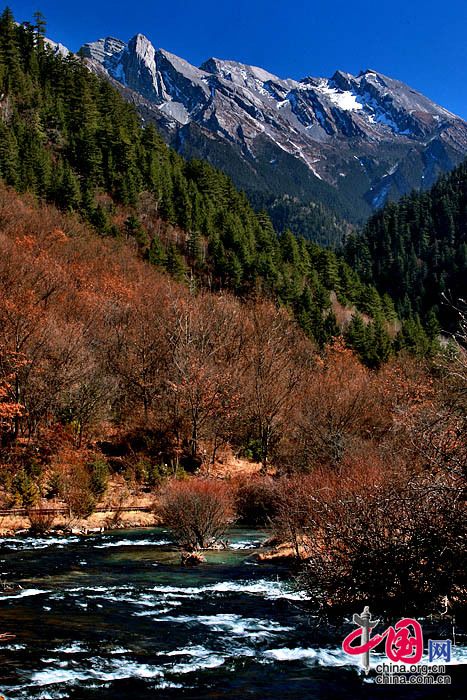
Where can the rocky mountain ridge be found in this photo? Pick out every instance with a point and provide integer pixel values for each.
(350, 142)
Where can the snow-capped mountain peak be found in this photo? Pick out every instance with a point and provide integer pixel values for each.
(144, 50)
(339, 129)
(57, 48)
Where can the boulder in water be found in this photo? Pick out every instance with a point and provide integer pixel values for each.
(192, 558)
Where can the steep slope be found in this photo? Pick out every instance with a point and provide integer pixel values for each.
(416, 250)
(351, 143)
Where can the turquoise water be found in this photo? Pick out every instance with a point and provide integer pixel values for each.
(116, 616)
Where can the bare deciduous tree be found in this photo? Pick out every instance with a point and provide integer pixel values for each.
(197, 511)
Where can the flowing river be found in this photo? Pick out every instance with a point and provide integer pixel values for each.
(116, 616)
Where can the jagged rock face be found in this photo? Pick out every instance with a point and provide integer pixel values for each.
(58, 49)
(158, 76)
(365, 137)
(103, 50)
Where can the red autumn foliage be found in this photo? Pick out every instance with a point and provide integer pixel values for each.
(257, 499)
(197, 511)
(376, 531)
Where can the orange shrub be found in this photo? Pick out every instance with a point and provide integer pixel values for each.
(197, 511)
(257, 500)
(384, 536)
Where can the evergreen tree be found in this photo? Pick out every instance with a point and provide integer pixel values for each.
(100, 220)
(356, 336)
(156, 253)
(135, 230)
(432, 325)
(175, 263)
(11, 73)
(68, 194)
(40, 26)
(379, 344)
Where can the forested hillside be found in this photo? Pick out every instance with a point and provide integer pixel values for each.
(102, 353)
(416, 251)
(69, 138)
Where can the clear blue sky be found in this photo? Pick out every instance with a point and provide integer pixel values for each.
(422, 42)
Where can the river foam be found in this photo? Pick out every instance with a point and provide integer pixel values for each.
(231, 623)
(265, 588)
(132, 543)
(25, 593)
(25, 543)
(329, 657)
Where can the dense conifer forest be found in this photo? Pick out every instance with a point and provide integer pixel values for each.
(416, 251)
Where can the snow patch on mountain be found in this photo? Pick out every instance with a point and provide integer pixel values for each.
(57, 48)
(175, 110)
(145, 52)
(344, 99)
